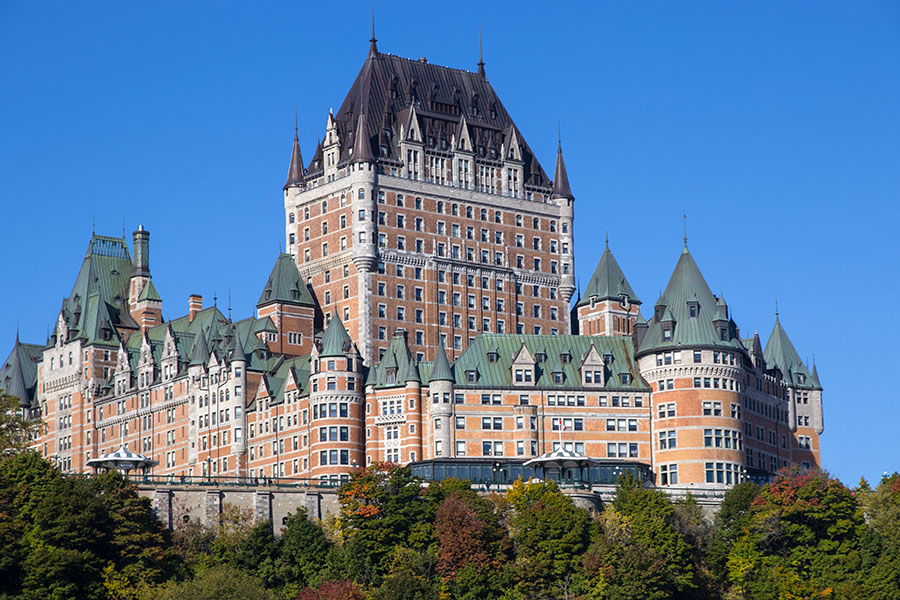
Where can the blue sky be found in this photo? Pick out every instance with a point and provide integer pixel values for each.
(773, 125)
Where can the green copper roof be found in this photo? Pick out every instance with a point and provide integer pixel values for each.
(608, 282)
(396, 366)
(780, 353)
(285, 284)
(149, 293)
(200, 354)
(105, 272)
(18, 374)
(335, 340)
(441, 369)
(687, 288)
(561, 354)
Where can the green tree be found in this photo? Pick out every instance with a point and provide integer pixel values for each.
(302, 547)
(728, 526)
(882, 510)
(549, 534)
(16, 431)
(258, 554)
(639, 549)
(381, 507)
(220, 582)
(802, 540)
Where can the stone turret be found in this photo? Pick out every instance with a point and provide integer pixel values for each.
(562, 195)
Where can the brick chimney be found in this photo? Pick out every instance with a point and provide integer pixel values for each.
(195, 305)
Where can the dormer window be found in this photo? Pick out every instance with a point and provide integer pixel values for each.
(493, 356)
(565, 357)
(540, 357)
(693, 309)
(607, 358)
(558, 377)
(390, 376)
(723, 334)
(593, 377)
(471, 376)
(667, 334)
(523, 375)
(625, 378)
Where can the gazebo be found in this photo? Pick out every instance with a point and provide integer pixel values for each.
(123, 460)
(566, 464)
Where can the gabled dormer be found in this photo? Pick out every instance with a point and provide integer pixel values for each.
(146, 373)
(169, 360)
(592, 368)
(122, 376)
(523, 367)
(331, 148)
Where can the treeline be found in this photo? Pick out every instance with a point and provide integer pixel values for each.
(804, 536)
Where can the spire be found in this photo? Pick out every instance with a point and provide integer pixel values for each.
(362, 149)
(335, 339)
(295, 171)
(608, 281)
(373, 46)
(200, 355)
(561, 187)
(480, 55)
(440, 371)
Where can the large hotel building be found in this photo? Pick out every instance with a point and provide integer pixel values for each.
(422, 315)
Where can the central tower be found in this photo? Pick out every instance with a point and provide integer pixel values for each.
(424, 208)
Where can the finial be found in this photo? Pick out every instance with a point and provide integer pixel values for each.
(93, 221)
(373, 46)
(214, 298)
(776, 308)
(684, 226)
(559, 133)
(296, 120)
(17, 332)
(123, 227)
(480, 52)
(607, 239)
(229, 305)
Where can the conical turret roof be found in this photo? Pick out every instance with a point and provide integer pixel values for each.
(200, 354)
(335, 339)
(441, 369)
(780, 353)
(561, 187)
(285, 284)
(295, 170)
(686, 289)
(608, 282)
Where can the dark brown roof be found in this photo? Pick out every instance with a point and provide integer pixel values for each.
(388, 86)
(561, 187)
(295, 171)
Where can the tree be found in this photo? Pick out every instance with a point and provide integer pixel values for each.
(730, 521)
(302, 548)
(802, 540)
(16, 431)
(220, 582)
(653, 523)
(332, 590)
(882, 509)
(549, 534)
(381, 507)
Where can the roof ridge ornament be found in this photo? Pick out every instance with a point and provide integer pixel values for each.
(684, 226)
(373, 45)
(480, 54)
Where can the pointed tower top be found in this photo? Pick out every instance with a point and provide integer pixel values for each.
(335, 339)
(440, 371)
(561, 187)
(480, 53)
(295, 170)
(362, 149)
(373, 45)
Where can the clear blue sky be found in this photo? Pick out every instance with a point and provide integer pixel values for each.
(774, 125)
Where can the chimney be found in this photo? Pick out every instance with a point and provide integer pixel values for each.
(195, 305)
(141, 239)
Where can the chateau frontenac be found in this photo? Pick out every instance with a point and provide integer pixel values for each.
(423, 314)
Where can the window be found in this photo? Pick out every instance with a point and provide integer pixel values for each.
(712, 409)
(668, 474)
(667, 440)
